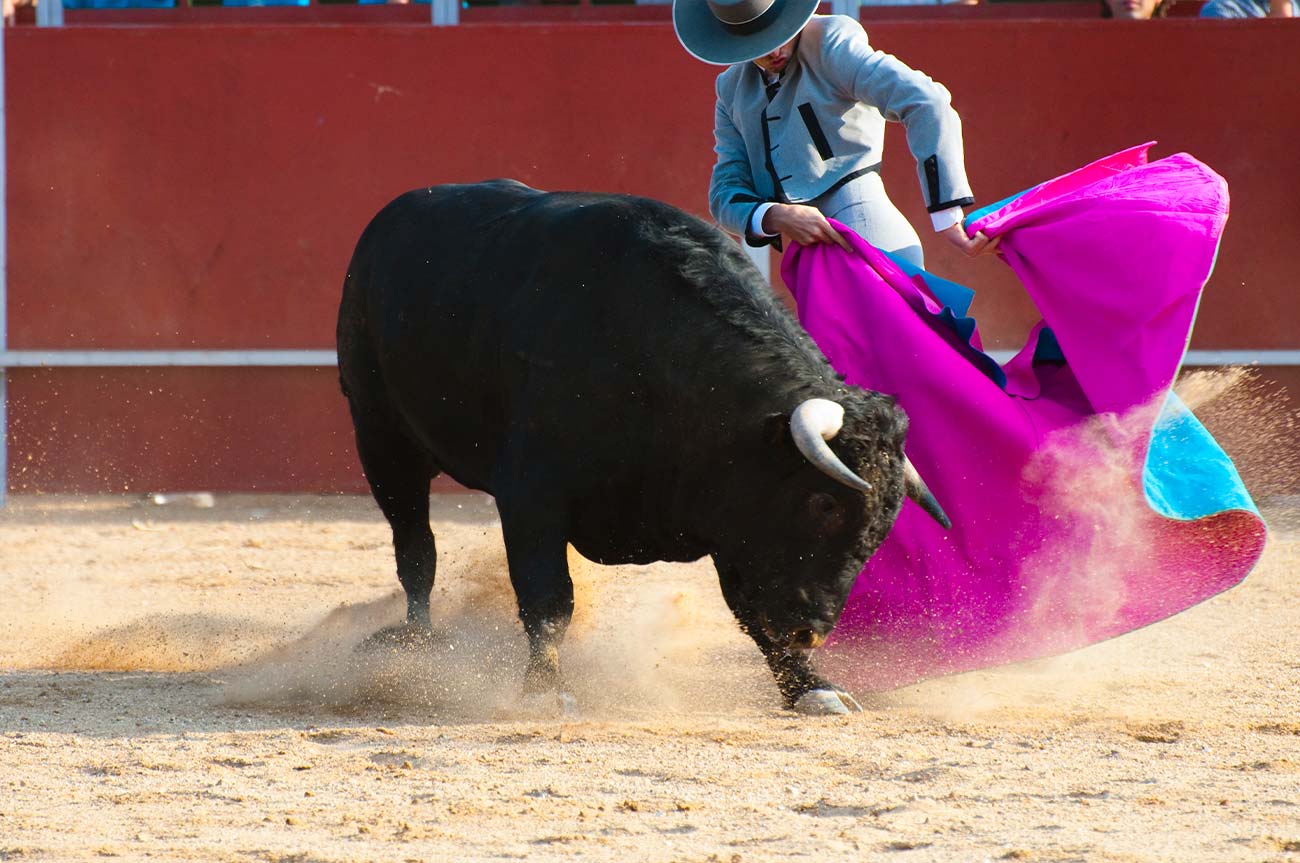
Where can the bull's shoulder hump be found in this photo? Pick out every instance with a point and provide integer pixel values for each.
(488, 194)
(623, 208)
(474, 206)
(504, 195)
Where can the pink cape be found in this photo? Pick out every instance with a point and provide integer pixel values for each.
(1086, 501)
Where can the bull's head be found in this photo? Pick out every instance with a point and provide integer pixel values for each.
(812, 520)
(817, 421)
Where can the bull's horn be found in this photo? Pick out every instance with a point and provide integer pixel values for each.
(814, 422)
(919, 492)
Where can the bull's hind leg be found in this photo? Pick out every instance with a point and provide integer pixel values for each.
(399, 473)
(535, 539)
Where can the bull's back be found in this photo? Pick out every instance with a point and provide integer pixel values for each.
(420, 322)
(473, 310)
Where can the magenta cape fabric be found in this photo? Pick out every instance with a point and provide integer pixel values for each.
(1086, 501)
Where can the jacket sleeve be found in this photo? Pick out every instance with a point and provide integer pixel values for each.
(904, 95)
(732, 199)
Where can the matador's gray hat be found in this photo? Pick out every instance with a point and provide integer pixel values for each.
(733, 31)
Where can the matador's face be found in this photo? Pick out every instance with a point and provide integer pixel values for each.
(1133, 9)
(777, 60)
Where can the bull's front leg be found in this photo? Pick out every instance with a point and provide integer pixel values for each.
(535, 540)
(802, 689)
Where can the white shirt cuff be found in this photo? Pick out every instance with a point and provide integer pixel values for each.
(945, 219)
(756, 219)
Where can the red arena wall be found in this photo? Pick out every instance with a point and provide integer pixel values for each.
(201, 187)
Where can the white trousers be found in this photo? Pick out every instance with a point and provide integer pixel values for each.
(864, 206)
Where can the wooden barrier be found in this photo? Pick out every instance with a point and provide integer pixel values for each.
(202, 188)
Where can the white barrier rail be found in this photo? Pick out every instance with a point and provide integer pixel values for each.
(323, 357)
(165, 358)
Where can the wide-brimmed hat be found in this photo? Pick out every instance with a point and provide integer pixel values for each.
(733, 31)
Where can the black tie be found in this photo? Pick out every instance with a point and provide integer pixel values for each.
(772, 89)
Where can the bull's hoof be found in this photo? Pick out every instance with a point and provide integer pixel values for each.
(554, 704)
(826, 702)
(402, 637)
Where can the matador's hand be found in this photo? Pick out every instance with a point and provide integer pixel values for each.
(802, 224)
(972, 246)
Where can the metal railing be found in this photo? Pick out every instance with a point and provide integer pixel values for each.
(442, 13)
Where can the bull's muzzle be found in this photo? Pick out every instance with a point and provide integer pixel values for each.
(807, 637)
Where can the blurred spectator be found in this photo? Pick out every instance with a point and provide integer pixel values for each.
(12, 6)
(920, 3)
(118, 4)
(1250, 9)
(1135, 10)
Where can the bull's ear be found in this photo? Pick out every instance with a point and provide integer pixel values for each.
(776, 429)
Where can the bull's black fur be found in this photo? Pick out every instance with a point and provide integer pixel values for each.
(713, 267)
(619, 376)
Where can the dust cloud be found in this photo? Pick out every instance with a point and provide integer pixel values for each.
(1104, 537)
(644, 640)
(1090, 476)
(179, 642)
(632, 649)
(1255, 422)
(1084, 576)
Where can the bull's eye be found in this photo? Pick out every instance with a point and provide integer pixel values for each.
(826, 514)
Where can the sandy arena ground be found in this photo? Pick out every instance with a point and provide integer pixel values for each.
(181, 683)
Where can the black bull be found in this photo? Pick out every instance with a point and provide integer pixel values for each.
(618, 376)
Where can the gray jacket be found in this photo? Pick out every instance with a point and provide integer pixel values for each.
(825, 126)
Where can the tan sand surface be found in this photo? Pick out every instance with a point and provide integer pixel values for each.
(182, 683)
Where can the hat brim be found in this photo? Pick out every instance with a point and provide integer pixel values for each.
(708, 39)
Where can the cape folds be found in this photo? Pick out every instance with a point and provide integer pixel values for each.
(1086, 500)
